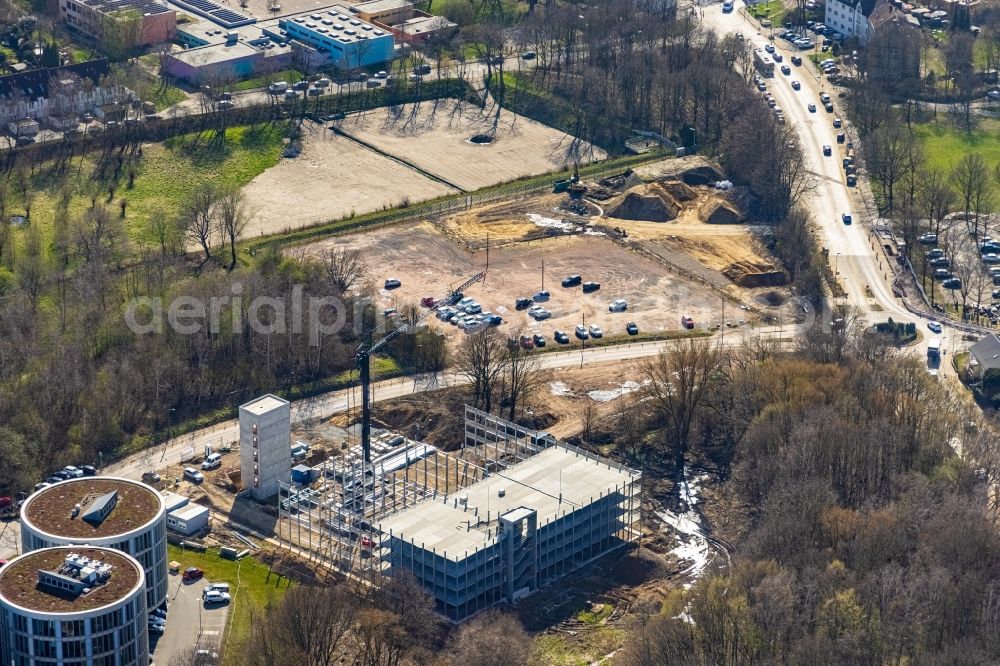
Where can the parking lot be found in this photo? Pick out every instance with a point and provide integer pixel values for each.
(189, 623)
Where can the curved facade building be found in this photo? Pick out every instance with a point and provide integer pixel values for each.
(73, 606)
(102, 511)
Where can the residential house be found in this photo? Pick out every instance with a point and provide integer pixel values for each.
(58, 92)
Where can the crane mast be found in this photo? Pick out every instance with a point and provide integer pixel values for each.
(364, 353)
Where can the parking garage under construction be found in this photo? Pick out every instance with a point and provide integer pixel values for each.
(510, 512)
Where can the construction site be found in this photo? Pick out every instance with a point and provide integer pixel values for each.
(509, 512)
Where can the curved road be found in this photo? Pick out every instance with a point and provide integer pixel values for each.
(326, 405)
(852, 256)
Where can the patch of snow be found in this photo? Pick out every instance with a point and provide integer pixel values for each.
(613, 394)
(692, 545)
(560, 388)
(593, 232)
(550, 223)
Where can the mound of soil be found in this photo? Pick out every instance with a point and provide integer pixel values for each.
(679, 191)
(701, 175)
(621, 181)
(720, 212)
(750, 275)
(650, 203)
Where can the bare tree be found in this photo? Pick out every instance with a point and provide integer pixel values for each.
(889, 147)
(680, 379)
(344, 268)
(971, 178)
(481, 358)
(233, 214)
(311, 627)
(935, 198)
(199, 217)
(494, 638)
(521, 376)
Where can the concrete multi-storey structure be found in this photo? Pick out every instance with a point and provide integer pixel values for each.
(265, 445)
(514, 531)
(121, 24)
(73, 606)
(345, 40)
(105, 512)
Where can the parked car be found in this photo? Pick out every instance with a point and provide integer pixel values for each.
(561, 337)
(192, 574)
(526, 342)
(786, 70)
(216, 597)
(940, 262)
(769, 48)
(952, 283)
(393, 283)
(581, 332)
(796, 60)
(934, 326)
(687, 322)
(618, 305)
(218, 587)
(811, 107)
(540, 313)
(935, 253)
(846, 218)
(942, 274)
(72, 472)
(541, 296)
(991, 258)
(522, 303)
(428, 301)
(827, 151)
(590, 287)
(150, 477)
(777, 57)
(632, 328)
(837, 123)
(212, 461)
(539, 339)
(155, 628)
(572, 281)
(595, 331)
(796, 85)
(193, 475)
(928, 239)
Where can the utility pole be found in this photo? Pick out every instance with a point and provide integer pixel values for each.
(584, 347)
(722, 338)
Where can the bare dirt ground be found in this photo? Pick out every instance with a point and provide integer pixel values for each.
(434, 136)
(426, 262)
(332, 178)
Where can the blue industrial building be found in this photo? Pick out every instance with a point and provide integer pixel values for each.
(349, 42)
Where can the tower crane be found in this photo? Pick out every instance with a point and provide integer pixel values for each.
(362, 357)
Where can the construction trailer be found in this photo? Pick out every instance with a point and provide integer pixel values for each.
(511, 512)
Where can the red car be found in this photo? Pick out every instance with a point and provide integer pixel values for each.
(527, 342)
(687, 322)
(192, 574)
(428, 301)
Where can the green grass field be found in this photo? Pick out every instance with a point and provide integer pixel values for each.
(945, 145)
(257, 587)
(164, 176)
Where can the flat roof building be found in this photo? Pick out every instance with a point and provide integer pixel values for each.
(388, 12)
(121, 24)
(189, 519)
(347, 41)
(102, 511)
(73, 605)
(514, 531)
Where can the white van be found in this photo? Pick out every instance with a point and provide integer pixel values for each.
(212, 461)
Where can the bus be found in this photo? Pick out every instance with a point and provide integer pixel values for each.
(762, 61)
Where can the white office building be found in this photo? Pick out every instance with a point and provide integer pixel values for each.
(265, 445)
(73, 606)
(849, 17)
(103, 512)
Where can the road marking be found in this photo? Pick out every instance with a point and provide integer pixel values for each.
(209, 633)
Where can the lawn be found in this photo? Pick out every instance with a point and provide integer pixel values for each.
(252, 584)
(164, 177)
(945, 145)
(289, 75)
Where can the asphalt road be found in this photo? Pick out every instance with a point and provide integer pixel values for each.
(326, 405)
(189, 622)
(851, 253)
